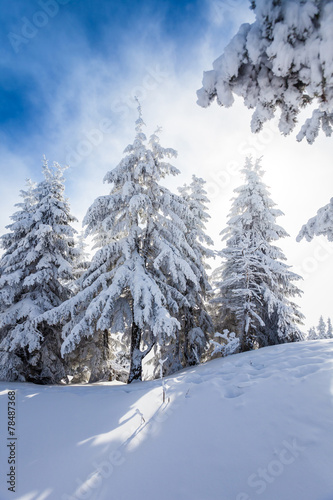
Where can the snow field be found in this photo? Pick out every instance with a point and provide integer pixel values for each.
(256, 425)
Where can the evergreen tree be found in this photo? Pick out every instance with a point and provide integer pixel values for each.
(322, 331)
(281, 61)
(39, 252)
(11, 365)
(196, 323)
(256, 285)
(312, 334)
(321, 328)
(136, 284)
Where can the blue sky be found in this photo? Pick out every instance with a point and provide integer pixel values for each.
(67, 65)
(43, 43)
(69, 73)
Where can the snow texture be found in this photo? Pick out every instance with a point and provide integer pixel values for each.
(253, 425)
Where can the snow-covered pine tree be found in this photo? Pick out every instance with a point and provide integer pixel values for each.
(11, 366)
(321, 329)
(281, 61)
(39, 251)
(136, 284)
(196, 322)
(256, 285)
(312, 334)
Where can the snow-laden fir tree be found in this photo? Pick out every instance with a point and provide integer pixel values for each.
(36, 264)
(312, 334)
(283, 61)
(254, 286)
(196, 323)
(321, 331)
(11, 366)
(321, 328)
(137, 282)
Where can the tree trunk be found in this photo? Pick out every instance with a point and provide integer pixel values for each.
(248, 340)
(136, 355)
(190, 358)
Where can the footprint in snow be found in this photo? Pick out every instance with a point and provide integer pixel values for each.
(307, 370)
(227, 376)
(194, 379)
(233, 392)
(257, 366)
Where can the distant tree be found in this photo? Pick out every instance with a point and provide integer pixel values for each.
(255, 286)
(281, 61)
(321, 328)
(36, 264)
(312, 334)
(137, 282)
(322, 331)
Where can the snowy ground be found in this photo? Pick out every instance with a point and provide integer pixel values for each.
(253, 426)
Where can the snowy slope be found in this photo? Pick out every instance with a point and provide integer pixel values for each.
(257, 425)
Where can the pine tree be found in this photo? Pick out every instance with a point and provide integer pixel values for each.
(39, 252)
(329, 333)
(321, 328)
(11, 365)
(312, 334)
(197, 323)
(281, 61)
(136, 284)
(256, 285)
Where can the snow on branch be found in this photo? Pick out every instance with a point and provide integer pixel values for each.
(283, 61)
